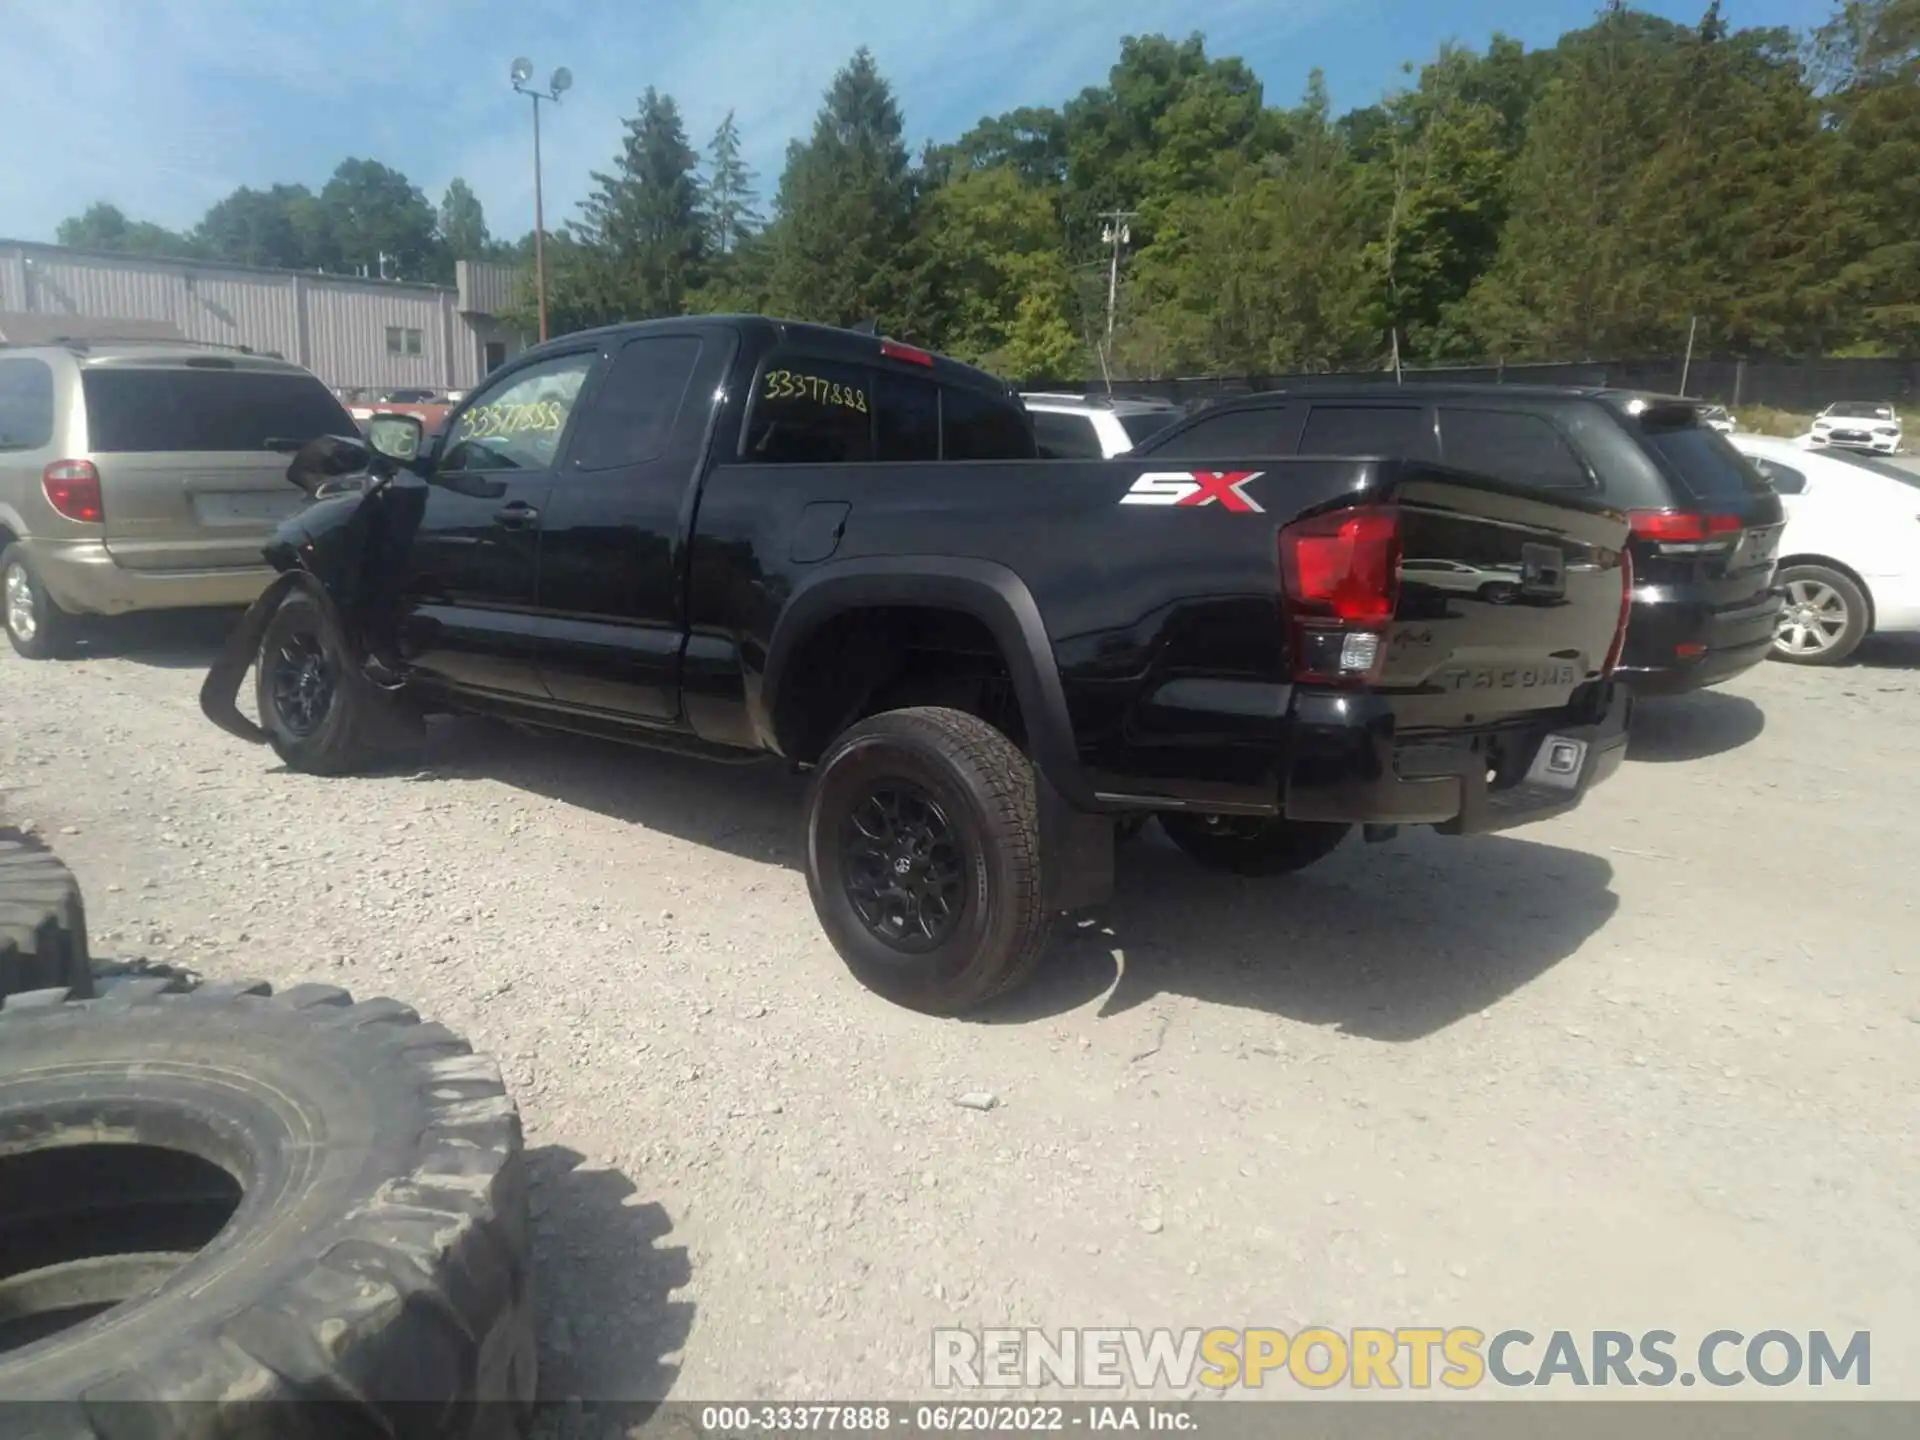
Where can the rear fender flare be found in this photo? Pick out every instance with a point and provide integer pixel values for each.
(989, 592)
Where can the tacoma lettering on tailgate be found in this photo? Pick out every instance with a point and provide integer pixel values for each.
(1508, 677)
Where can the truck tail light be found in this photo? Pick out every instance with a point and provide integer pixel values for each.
(1340, 583)
(1619, 645)
(1685, 532)
(73, 489)
(894, 350)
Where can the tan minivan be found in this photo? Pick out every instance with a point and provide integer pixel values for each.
(143, 475)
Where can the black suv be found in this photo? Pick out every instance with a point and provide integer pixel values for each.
(1706, 525)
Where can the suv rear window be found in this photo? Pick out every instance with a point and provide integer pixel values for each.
(1705, 462)
(1511, 446)
(1390, 430)
(26, 404)
(1231, 434)
(183, 410)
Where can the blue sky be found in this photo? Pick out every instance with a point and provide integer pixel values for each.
(165, 108)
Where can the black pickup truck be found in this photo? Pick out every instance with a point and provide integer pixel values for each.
(738, 536)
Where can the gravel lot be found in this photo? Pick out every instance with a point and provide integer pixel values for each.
(1650, 1065)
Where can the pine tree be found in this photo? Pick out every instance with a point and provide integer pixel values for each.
(642, 233)
(731, 216)
(843, 240)
(463, 224)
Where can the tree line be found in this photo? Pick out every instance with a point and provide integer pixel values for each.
(1638, 181)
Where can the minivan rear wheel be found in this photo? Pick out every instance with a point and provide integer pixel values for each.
(36, 627)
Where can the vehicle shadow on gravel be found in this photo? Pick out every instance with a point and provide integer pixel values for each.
(1389, 942)
(1679, 728)
(165, 639)
(1889, 652)
(605, 1280)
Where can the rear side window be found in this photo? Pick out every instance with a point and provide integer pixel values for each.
(1706, 462)
(1508, 445)
(811, 412)
(1231, 434)
(186, 410)
(1364, 430)
(1067, 437)
(980, 427)
(633, 412)
(1784, 478)
(907, 419)
(1139, 424)
(26, 404)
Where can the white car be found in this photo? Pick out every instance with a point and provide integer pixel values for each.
(1850, 555)
(1083, 427)
(1717, 417)
(1858, 425)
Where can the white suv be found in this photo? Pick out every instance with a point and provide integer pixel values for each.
(1091, 427)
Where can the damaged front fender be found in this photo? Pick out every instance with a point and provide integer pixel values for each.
(221, 688)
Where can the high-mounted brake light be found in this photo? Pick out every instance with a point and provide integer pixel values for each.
(1340, 583)
(894, 350)
(1619, 646)
(73, 489)
(1668, 527)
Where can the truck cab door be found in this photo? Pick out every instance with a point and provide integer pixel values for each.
(467, 592)
(613, 549)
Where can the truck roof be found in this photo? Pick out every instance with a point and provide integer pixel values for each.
(826, 341)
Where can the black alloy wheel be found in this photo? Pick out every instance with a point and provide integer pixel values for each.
(904, 866)
(302, 683)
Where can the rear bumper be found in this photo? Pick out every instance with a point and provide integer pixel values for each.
(1348, 764)
(1675, 646)
(83, 579)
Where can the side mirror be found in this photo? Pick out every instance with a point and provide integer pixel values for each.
(327, 458)
(398, 437)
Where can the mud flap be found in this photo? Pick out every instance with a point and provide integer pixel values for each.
(1076, 851)
(222, 686)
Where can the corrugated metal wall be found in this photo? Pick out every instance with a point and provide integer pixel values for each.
(335, 326)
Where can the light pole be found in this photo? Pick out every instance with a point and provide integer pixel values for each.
(557, 85)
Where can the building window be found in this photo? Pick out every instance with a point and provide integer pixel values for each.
(402, 340)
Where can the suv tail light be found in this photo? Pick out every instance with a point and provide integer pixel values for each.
(1626, 610)
(1683, 532)
(73, 489)
(1340, 582)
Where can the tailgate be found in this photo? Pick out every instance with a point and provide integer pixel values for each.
(193, 512)
(1509, 601)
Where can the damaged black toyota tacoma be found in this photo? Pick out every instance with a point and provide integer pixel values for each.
(738, 536)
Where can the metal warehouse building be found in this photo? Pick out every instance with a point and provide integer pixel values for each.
(372, 334)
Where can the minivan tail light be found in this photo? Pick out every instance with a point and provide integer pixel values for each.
(1340, 584)
(73, 489)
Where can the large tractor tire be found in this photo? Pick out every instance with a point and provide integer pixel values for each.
(43, 925)
(217, 1202)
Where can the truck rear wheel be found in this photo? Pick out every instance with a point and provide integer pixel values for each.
(923, 858)
(1251, 844)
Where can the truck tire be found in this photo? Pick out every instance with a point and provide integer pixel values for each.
(36, 626)
(43, 924)
(321, 715)
(1253, 845)
(214, 1201)
(923, 858)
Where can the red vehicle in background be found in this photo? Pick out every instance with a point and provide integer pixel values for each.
(430, 407)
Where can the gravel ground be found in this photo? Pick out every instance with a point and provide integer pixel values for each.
(1652, 1065)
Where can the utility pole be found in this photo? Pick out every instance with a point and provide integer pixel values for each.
(556, 87)
(1117, 232)
(1686, 365)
